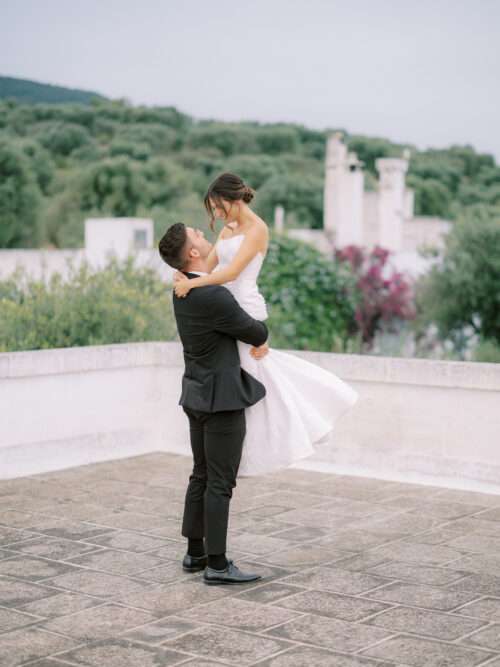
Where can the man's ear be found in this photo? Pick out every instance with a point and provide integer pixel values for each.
(194, 253)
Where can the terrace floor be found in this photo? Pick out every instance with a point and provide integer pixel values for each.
(356, 572)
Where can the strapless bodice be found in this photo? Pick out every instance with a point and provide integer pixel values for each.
(244, 288)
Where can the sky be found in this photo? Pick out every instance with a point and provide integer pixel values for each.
(425, 72)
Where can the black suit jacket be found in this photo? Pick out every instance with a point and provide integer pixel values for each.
(209, 321)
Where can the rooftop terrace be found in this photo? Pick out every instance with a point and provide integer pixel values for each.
(357, 572)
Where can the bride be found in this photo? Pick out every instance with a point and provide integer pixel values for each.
(303, 401)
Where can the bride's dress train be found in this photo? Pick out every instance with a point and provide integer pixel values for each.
(302, 402)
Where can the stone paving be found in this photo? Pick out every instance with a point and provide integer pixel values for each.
(357, 572)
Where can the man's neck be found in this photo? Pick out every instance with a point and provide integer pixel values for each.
(196, 267)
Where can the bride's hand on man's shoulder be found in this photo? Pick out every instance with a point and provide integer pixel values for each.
(178, 275)
(182, 287)
(259, 352)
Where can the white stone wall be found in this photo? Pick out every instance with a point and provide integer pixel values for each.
(41, 264)
(315, 237)
(72, 406)
(416, 420)
(425, 231)
(104, 238)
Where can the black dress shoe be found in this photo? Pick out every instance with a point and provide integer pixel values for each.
(230, 575)
(194, 563)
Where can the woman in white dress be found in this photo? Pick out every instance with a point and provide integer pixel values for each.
(303, 401)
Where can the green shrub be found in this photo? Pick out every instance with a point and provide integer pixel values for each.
(487, 351)
(63, 138)
(19, 198)
(120, 304)
(462, 292)
(307, 296)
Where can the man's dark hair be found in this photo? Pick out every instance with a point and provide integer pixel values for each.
(172, 246)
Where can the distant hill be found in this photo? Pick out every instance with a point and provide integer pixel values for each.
(31, 92)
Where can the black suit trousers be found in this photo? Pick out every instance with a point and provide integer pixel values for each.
(217, 442)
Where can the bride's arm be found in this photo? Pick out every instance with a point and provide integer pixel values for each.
(251, 246)
(212, 259)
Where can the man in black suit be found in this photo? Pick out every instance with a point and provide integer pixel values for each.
(215, 393)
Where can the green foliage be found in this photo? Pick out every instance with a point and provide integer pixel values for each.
(487, 351)
(307, 296)
(228, 139)
(369, 149)
(300, 195)
(462, 293)
(40, 163)
(119, 304)
(19, 199)
(112, 158)
(63, 139)
(277, 139)
(431, 197)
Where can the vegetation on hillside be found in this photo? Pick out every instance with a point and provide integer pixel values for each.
(33, 92)
(60, 163)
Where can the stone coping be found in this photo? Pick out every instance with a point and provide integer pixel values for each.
(59, 361)
(362, 368)
(41, 251)
(395, 370)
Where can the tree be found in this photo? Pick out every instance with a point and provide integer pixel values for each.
(277, 139)
(19, 199)
(369, 149)
(432, 197)
(462, 292)
(309, 297)
(301, 196)
(62, 139)
(40, 162)
(229, 139)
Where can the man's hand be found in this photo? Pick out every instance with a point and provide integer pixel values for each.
(259, 352)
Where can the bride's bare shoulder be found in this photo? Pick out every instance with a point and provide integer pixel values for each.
(260, 230)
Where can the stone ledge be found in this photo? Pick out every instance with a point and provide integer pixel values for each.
(393, 370)
(386, 370)
(60, 361)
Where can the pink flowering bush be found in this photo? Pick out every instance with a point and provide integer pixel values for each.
(385, 295)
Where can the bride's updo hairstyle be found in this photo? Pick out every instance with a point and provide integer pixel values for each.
(229, 187)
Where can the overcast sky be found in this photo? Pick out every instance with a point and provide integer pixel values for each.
(425, 72)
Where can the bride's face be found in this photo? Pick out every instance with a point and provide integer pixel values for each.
(222, 210)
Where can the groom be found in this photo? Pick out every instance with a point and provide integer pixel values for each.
(215, 393)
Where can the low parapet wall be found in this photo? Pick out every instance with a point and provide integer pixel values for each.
(42, 264)
(416, 420)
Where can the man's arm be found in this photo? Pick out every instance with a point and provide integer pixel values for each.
(231, 319)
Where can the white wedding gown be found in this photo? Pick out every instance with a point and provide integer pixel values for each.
(302, 402)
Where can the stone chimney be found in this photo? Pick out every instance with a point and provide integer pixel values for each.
(343, 195)
(391, 201)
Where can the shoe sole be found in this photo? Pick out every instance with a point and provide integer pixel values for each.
(221, 582)
(193, 569)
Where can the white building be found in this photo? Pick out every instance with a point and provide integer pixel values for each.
(104, 238)
(384, 217)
